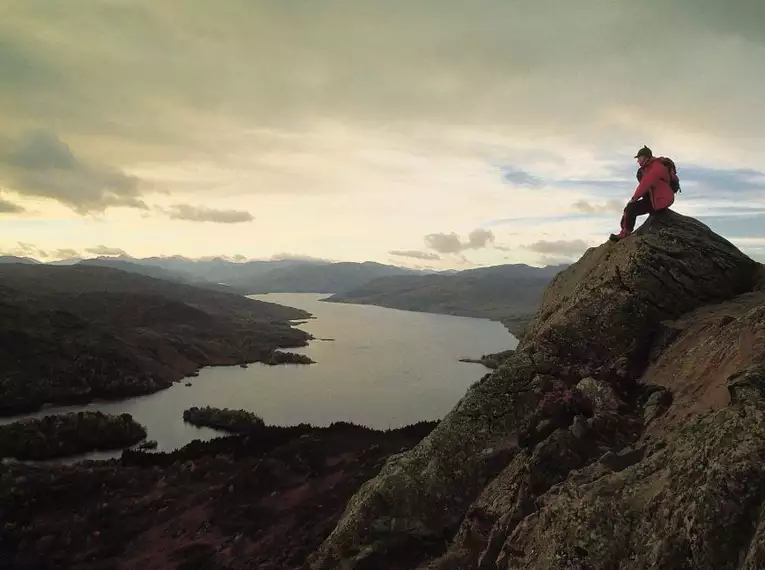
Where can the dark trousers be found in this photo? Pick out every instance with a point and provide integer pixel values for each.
(639, 207)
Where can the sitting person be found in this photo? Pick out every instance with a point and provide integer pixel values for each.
(654, 191)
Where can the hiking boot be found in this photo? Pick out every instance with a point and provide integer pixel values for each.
(621, 235)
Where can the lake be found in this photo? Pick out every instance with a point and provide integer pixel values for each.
(384, 368)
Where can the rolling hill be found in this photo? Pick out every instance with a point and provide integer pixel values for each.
(156, 272)
(507, 293)
(327, 278)
(17, 259)
(258, 276)
(75, 333)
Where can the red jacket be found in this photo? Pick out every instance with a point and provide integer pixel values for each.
(655, 182)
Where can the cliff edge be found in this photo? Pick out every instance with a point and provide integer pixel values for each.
(627, 430)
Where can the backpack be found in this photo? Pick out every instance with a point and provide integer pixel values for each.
(674, 181)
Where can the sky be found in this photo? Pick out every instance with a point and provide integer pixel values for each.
(427, 133)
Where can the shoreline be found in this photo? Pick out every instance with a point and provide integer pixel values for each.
(128, 394)
(514, 323)
(169, 444)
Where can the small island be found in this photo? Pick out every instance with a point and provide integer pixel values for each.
(232, 421)
(276, 357)
(61, 435)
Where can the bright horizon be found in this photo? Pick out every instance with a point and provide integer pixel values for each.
(431, 135)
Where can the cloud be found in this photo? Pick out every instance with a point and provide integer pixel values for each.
(65, 253)
(736, 181)
(108, 251)
(205, 214)
(415, 254)
(7, 207)
(284, 256)
(478, 238)
(31, 249)
(519, 177)
(567, 248)
(38, 163)
(742, 224)
(547, 260)
(153, 78)
(444, 243)
(612, 206)
(451, 244)
(24, 249)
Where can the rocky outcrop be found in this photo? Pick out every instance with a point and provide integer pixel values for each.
(694, 501)
(546, 463)
(493, 360)
(601, 314)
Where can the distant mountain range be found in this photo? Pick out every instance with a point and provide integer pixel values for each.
(325, 278)
(250, 277)
(220, 270)
(508, 293)
(155, 271)
(17, 259)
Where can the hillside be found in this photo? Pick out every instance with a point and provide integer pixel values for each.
(178, 268)
(155, 271)
(17, 259)
(325, 278)
(507, 293)
(254, 502)
(141, 269)
(74, 333)
(257, 276)
(218, 270)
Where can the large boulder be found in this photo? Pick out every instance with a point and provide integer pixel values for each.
(520, 430)
(602, 311)
(695, 502)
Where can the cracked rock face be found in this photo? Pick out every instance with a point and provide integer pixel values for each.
(708, 347)
(449, 503)
(695, 504)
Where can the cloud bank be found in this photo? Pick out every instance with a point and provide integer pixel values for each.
(414, 254)
(38, 163)
(205, 214)
(451, 243)
(106, 251)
